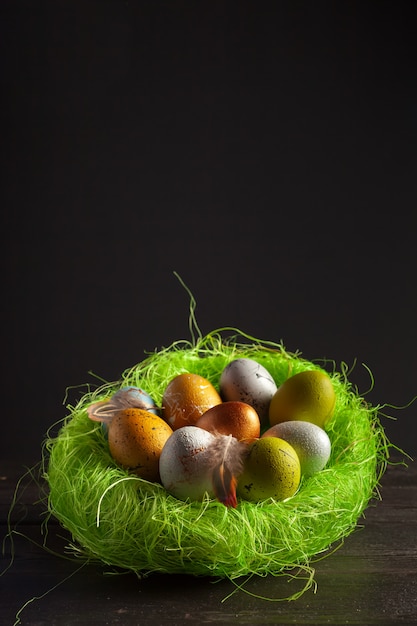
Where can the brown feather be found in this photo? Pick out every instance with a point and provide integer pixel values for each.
(225, 458)
(105, 410)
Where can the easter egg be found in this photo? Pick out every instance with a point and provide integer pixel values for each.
(134, 397)
(186, 397)
(311, 443)
(307, 396)
(183, 464)
(136, 438)
(248, 381)
(125, 398)
(271, 470)
(232, 418)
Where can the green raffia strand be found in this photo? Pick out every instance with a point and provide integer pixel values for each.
(124, 521)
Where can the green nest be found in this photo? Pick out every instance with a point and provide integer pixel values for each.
(127, 522)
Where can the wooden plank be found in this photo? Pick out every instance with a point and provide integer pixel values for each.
(370, 579)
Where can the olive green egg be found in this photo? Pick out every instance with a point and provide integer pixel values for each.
(271, 470)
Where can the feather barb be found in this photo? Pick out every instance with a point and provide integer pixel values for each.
(226, 455)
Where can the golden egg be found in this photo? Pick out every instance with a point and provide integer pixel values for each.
(186, 398)
(136, 438)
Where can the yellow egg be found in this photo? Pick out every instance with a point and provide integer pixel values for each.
(186, 398)
(271, 470)
(307, 396)
(136, 438)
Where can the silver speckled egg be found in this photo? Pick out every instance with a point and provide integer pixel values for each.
(183, 467)
(311, 443)
(248, 381)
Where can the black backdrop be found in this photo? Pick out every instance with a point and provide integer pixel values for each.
(265, 152)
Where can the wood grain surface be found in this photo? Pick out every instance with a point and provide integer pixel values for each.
(370, 579)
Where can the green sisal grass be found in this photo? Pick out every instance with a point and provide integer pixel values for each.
(124, 521)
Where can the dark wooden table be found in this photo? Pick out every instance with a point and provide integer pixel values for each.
(371, 579)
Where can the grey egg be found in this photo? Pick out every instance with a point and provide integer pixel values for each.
(311, 443)
(248, 381)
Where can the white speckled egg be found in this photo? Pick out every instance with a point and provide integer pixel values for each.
(311, 443)
(248, 381)
(182, 467)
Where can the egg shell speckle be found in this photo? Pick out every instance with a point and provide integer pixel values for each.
(310, 441)
(136, 438)
(271, 470)
(247, 380)
(181, 467)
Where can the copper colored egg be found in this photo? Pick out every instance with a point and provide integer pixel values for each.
(232, 418)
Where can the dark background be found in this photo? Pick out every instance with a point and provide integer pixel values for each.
(266, 153)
